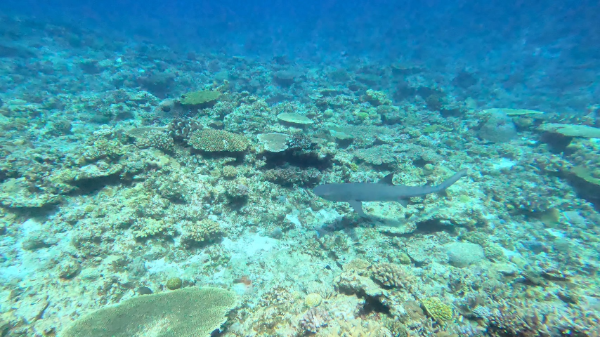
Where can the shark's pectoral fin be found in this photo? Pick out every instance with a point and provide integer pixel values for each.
(403, 202)
(387, 180)
(357, 206)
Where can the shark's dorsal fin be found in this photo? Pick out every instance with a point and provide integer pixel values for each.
(387, 180)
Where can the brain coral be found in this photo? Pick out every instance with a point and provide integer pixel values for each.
(181, 313)
(437, 310)
(218, 141)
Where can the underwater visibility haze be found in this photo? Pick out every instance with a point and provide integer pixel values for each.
(299, 168)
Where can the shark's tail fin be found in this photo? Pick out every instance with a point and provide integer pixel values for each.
(448, 182)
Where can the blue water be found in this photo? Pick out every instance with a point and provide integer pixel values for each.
(113, 186)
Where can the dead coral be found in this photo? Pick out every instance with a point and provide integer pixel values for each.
(314, 319)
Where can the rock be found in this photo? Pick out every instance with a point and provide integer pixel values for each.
(499, 128)
(68, 268)
(38, 240)
(464, 254)
(17, 193)
(174, 283)
(285, 78)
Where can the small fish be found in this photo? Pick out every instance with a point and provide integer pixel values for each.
(384, 190)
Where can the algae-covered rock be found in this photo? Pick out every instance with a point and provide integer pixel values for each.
(571, 130)
(463, 254)
(174, 283)
(18, 193)
(189, 312)
(376, 98)
(210, 140)
(200, 99)
(285, 78)
(377, 155)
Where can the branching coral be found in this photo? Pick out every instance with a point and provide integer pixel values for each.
(391, 275)
(528, 319)
(201, 231)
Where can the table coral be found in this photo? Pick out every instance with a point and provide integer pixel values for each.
(200, 99)
(210, 140)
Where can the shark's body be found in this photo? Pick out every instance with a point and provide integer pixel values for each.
(356, 193)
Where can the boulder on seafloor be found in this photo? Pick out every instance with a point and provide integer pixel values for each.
(464, 254)
(499, 128)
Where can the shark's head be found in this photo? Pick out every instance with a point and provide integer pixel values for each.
(326, 192)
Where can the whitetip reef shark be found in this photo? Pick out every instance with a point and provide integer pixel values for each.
(384, 190)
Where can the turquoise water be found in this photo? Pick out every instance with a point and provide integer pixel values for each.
(158, 166)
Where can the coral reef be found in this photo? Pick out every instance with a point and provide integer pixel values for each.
(119, 194)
